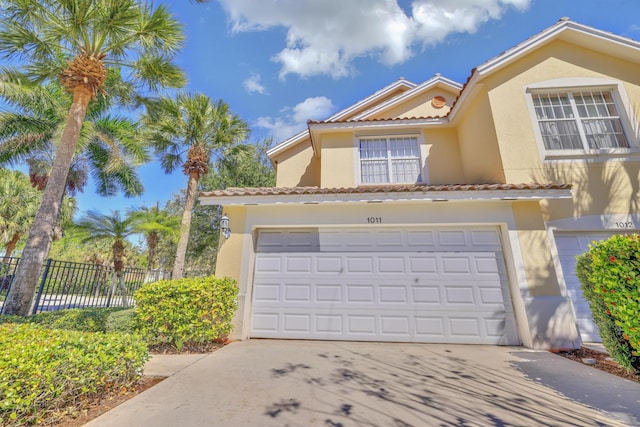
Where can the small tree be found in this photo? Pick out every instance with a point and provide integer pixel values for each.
(153, 223)
(113, 227)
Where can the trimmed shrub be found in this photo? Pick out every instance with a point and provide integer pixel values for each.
(120, 321)
(75, 319)
(186, 311)
(49, 371)
(610, 277)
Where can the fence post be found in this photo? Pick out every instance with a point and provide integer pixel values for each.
(40, 290)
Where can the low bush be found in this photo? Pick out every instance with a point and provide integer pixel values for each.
(120, 321)
(76, 319)
(610, 277)
(186, 311)
(50, 371)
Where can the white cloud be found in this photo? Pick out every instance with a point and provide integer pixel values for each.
(252, 84)
(295, 119)
(325, 36)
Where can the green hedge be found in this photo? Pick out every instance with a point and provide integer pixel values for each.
(610, 277)
(186, 311)
(75, 319)
(48, 371)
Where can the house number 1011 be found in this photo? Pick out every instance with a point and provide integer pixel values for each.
(374, 220)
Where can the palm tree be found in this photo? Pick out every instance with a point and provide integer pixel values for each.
(108, 148)
(154, 223)
(193, 125)
(18, 205)
(82, 44)
(114, 227)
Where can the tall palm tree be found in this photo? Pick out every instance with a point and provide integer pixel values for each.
(108, 147)
(113, 227)
(19, 202)
(192, 125)
(82, 44)
(154, 223)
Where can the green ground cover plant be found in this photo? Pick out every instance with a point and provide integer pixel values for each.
(188, 311)
(77, 319)
(49, 372)
(609, 273)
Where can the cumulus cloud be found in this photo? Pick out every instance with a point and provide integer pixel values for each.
(252, 84)
(293, 120)
(325, 36)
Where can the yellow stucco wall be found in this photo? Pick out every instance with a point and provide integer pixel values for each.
(229, 263)
(603, 185)
(479, 151)
(513, 123)
(420, 106)
(443, 156)
(534, 244)
(338, 166)
(297, 167)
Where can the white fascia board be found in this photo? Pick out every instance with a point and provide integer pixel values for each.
(378, 124)
(564, 28)
(294, 140)
(287, 143)
(423, 87)
(431, 196)
(372, 98)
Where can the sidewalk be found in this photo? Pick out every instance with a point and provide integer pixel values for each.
(166, 365)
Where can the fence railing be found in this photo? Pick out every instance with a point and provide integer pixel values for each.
(65, 284)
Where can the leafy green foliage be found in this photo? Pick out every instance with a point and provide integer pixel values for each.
(48, 371)
(610, 277)
(120, 321)
(186, 311)
(77, 319)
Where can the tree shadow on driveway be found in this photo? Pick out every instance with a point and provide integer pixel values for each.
(416, 385)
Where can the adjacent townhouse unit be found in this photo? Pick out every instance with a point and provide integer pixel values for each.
(445, 212)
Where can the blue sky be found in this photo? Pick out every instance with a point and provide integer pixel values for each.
(279, 63)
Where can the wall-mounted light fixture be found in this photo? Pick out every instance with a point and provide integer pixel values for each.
(224, 226)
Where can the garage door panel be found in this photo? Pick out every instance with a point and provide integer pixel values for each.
(396, 285)
(329, 265)
(570, 245)
(298, 264)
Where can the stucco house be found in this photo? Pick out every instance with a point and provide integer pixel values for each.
(446, 212)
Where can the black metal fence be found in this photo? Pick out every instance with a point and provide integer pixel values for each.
(65, 284)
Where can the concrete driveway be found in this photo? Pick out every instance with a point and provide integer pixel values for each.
(315, 383)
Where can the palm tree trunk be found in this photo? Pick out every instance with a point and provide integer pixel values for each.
(11, 246)
(152, 244)
(118, 267)
(41, 234)
(185, 226)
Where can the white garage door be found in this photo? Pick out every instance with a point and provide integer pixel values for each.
(411, 285)
(569, 246)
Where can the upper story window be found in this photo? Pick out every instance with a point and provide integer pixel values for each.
(385, 160)
(579, 120)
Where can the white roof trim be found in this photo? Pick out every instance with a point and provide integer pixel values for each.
(287, 143)
(423, 87)
(430, 196)
(378, 124)
(549, 34)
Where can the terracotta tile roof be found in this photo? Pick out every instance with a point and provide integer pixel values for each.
(368, 189)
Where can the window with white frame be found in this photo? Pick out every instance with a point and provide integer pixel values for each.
(394, 159)
(579, 120)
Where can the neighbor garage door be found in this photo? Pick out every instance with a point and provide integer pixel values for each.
(570, 245)
(412, 285)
